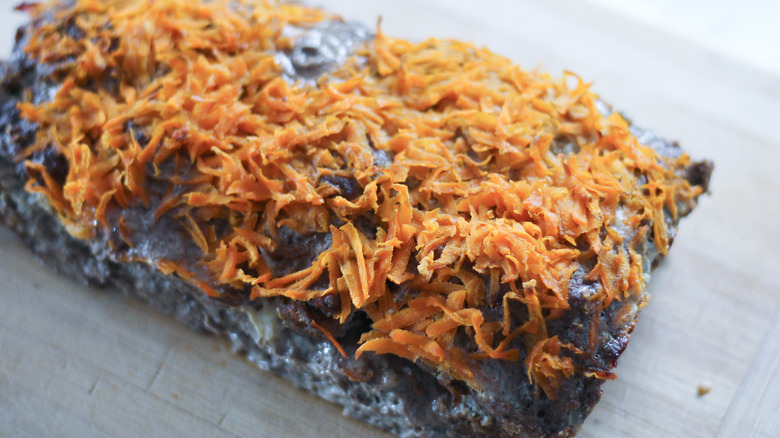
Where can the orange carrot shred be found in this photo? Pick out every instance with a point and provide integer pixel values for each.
(331, 338)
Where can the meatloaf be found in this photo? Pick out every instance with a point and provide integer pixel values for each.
(425, 233)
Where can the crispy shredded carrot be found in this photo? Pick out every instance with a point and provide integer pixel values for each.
(480, 176)
(331, 338)
(547, 367)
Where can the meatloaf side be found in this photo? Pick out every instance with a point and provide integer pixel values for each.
(461, 385)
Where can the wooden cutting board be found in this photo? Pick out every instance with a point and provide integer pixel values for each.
(81, 362)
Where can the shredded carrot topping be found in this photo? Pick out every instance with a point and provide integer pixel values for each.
(496, 180)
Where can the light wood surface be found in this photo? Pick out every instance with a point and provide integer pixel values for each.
(80, 362)
(745, 30)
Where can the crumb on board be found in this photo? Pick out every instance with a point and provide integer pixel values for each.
(703, 388)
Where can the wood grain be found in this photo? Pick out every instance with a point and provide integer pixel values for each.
(80, 362)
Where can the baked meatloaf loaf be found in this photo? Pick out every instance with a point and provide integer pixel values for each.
(441, 242)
